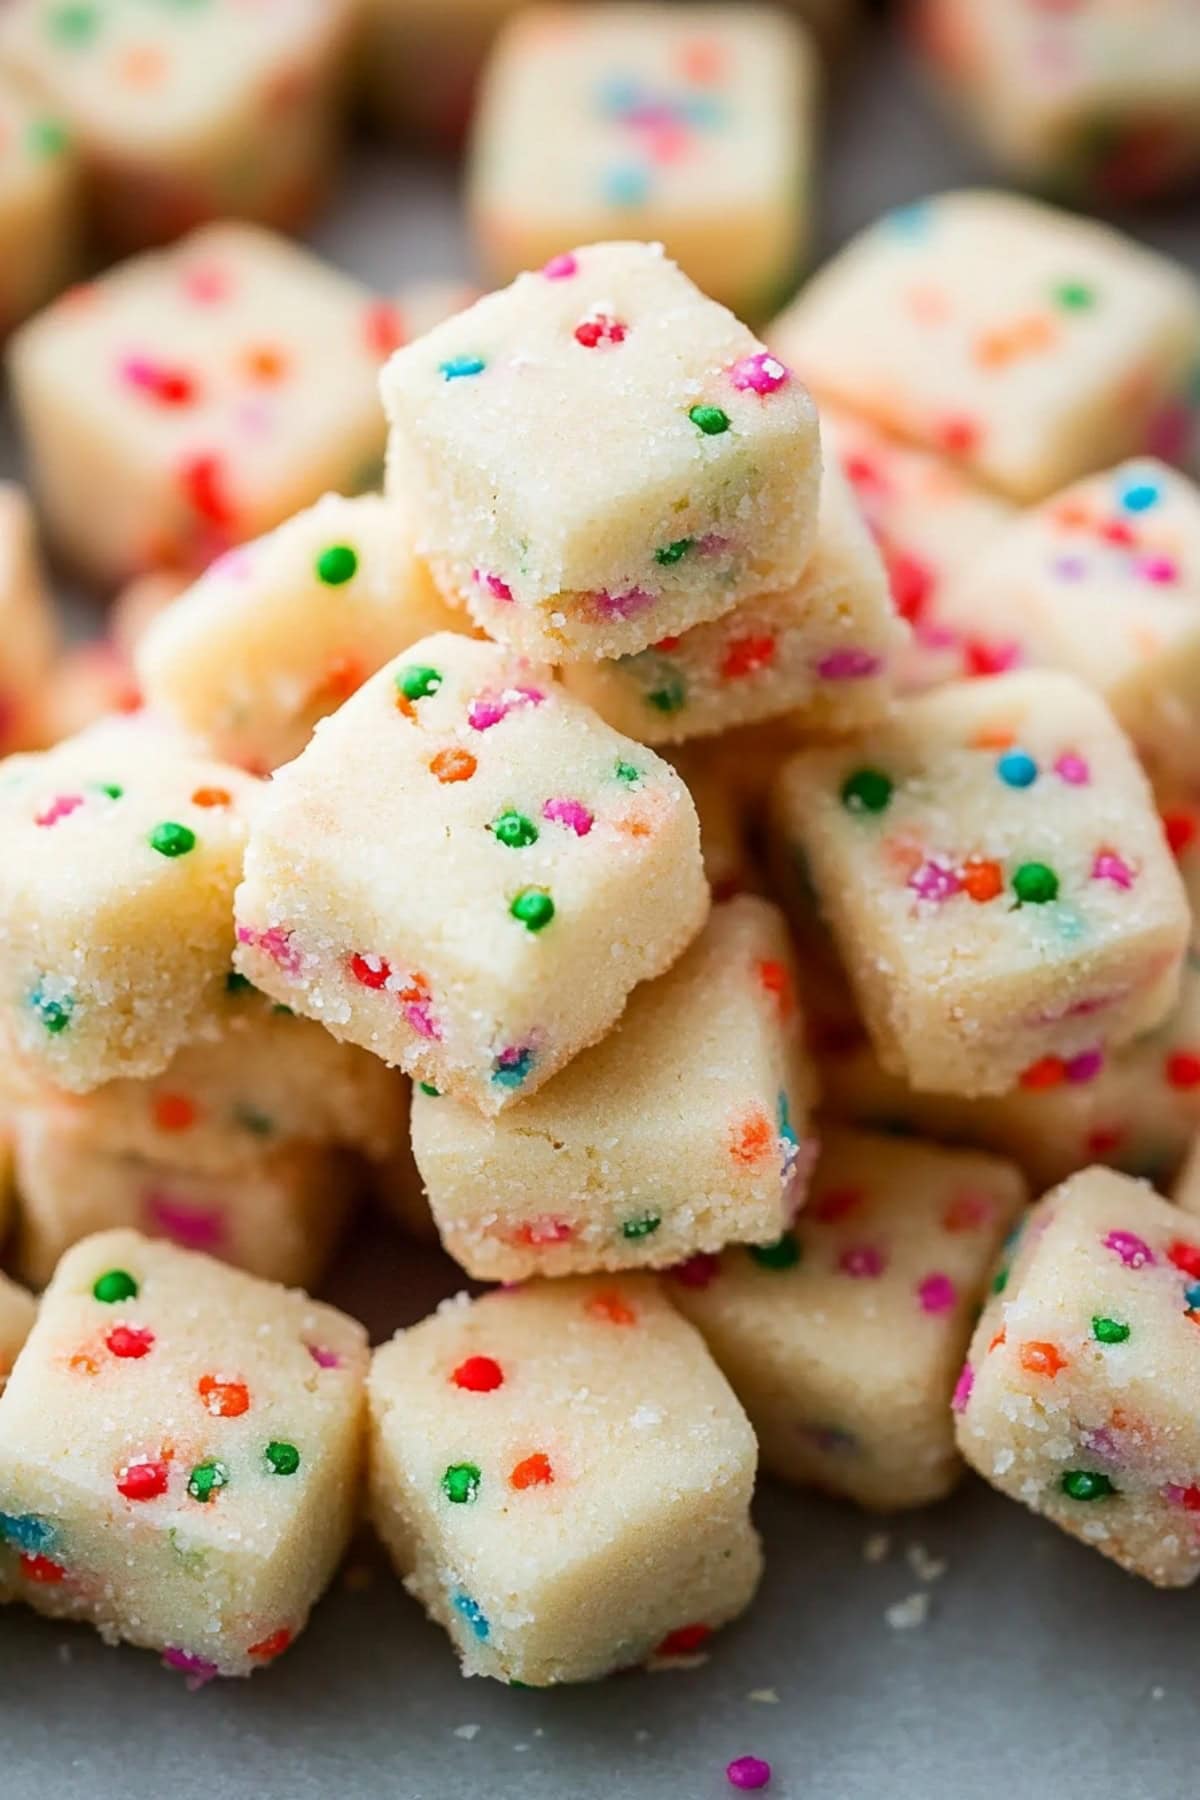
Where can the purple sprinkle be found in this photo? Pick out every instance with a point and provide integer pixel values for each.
(198, 1668)
(1133, 1251)
(748, 1772)
(561, 268)
(937, 1294)
(1084, 1067)
(849, 665)
(1069, 568)
(628, 605)
(962, 1388)
(324, 1359)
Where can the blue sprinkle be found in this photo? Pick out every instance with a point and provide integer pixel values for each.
(702, 111)
(1192, 1296)
(455, 367)
(1016, 768)
(786, 1129)
(27, 1531)
(626, 186)
(473, 1613)
(1140, 496)
(912, 221)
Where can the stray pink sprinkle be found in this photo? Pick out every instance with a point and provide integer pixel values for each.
(61, 807)
(761, 373)
(202, 1229)
(572, 813)
(863, 1261)
(1133, 1251)
(937, 1294)
(561, 268)
(1073, 769)
(197, 1668)
(962, 1388)
(849, 665)
(1109, 866)
(487, 710)
(628, 605)
(419, 1014)
(496, 587)
(1084, 1067)
(274, 942)
(933, 881)
(139, 371)
(324, 1359)
(748, 1772)
(1159, 569)
(698, 1271)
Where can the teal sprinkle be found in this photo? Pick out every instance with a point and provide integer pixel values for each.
(55, 1014)
(456, 367)
(473, 1613)
(27, 1532)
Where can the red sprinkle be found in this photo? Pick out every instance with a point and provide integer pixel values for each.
(479, 1375)
(600, 328)
(1183, 1069)
(41, 1569)
(271, 1646)
(142, 1481)
(1185, 1256)
(684, 1640)
(130, 1341)
(367, 974)
(383, 329)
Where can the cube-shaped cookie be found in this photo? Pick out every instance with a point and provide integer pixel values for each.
(277, 1215)
(18, 1308)
(930, 521)
(121, 850)
(180, 1454)
(467, 872)
(823, 652)
(689, 125)
(1078, 1397)
(844, 1338)
(196, 397)
(28, 634)
(683, 1130)
(1104, 580)
(563, 1477)
(997, 878)
(39, 205)
(1029, 345)
(598, 456)
(184, 112)
(1100, 100)
(279, 632)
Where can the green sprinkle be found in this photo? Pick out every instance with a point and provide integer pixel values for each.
(282, 1459)
(207, 1479)
(54, 1014)
(1075, 296)
(867, 790)
(999, 1281)
(670, 696)
(427, 1087)
(673, 553)
(644, 1227)
(534, 908)
(75, 24)
(253, 1121)
(110, 788)
(170, 839)
(114, 1285)
(1109, 1331)
(1035, 884)
(337, 565)
(1086, 1484)
(709, 419)
(236, 982)
(514, 830)
(418, 681)
(460, 1483)
(46, 137)
(627, 772)
(784, 1253)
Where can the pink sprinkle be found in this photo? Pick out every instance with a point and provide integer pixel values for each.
(274, 942)
(324, 1359)
(1109, 866)
(198, 1668)
(487, 710)
(748, 1772)
(1072, 769)
(1100, 1441)
(937, 1294)
(561, 268)
(933, 881)
(863, 1261)
(962, 1388)
(712, 544)
(1085, 1067)
(698, 1271)
(546, 1230)
(140, 372)
(761, 373)
(849, 665)
(419, 1014)
(1159, 569)
(194, 1228)
(628, 605)
(61, 807)
(498, 589)
(1133, 1251)
(206, 284)
(572, 813)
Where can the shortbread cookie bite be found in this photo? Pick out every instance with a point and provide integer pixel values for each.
(1101, 100)
(1031, 346)
(563, 1477)
(28, 632)
(598, 456)
(1078, 1396)
(18, 1309)
(691, 125)
(195, 397)
(467, 872)
(279, 632)
(1104, 580)
(277, 1215)
(684, 1129)
(823, 652)
(844, 1338)
(121, 852)
(997, 879)
(184, 112)
(39, 205)
(180, 1454)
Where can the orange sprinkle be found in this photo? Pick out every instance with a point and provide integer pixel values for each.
(702, 60)
(982, 880)
(1042, 1359)
(1047, 1072)
(212, 796)
(274, 1645)
(143, 65)
(265, 363)
(453, 764)
(751, 1138)
(223, 1399)
(635, 825)
(997, 1340)
(344, 676)
(533, 1471)
(613, 1307)
(993, 737)
(83, 1362)
(776, 979)
(173, 1112)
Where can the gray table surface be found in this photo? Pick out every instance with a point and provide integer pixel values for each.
(1039, 1668)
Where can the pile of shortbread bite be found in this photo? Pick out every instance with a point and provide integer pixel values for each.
(713, 855)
